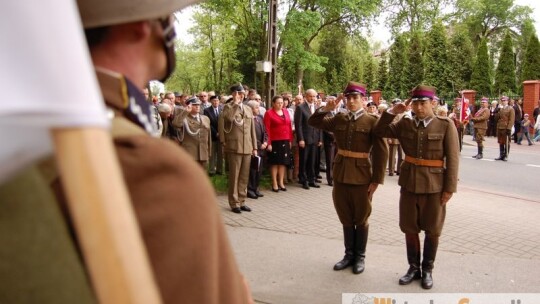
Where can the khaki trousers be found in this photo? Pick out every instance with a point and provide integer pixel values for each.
(352, 204)
(421, 211)
(479, 134)
(238, 178)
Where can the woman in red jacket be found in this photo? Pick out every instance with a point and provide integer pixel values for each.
(278, 126)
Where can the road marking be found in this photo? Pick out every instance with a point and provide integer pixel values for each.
(536, 166)
(487, 159)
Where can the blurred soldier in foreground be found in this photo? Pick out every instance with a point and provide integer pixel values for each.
(174, 202)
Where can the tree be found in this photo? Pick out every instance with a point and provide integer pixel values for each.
(436, 58)
(486, 18)
(460, 61)
(369, 74)
(397, 65)
(306, 19)
(481, 74)
(527, 30)
(412, 15)
(414, 74)
(382, 73)
(531, 62)
(505, 75)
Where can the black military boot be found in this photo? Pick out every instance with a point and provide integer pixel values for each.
(348, 239)
(430, 251)
(360, 249)
(412, 241)
(476, 156)
(501, 153)
(480, 153)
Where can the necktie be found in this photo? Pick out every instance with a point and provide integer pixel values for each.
(217, 112)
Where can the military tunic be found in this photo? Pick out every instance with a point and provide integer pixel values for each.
(196, 136)
(421, 184)
(480, 120)
(505, 118)
(360, 160)
(237, 134)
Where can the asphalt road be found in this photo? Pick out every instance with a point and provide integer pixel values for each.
(519, 177)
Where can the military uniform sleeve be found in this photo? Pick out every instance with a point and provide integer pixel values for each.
(179, 117)
(511, 118)
(451, 154)
(379, 153)
(385, 126)
(320, 120)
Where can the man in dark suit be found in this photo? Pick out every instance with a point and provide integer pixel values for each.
(255, 171)
(216, 156)
(329, 147)
(309, 139)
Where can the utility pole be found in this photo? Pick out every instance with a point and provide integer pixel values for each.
(271, 78)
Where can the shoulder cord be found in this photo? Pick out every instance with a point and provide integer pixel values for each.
(188, 129)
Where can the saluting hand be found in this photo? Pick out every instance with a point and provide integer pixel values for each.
(331, 105)
(401, 107)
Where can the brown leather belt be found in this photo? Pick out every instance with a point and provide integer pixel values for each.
(424, 162)
(353, 154)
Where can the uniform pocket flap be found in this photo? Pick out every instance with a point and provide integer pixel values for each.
(435, 136)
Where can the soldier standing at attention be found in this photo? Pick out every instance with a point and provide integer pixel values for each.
(196, 138)
(480, 120)
(428, 177)
(355, 177)
(237, 134)
(505, 118)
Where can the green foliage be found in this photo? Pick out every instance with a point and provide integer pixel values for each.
(527, 30)
(436, 59)
(487, 18)
(505, 75)
(397, 65)
(414, 74)
(382, 73)
(369, 72)
(412, 15)
(481, 74)
(531, 62)
(460, 61)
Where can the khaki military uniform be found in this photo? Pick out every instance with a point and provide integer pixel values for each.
(196, 136)
(480, 120)
(176, 210)
(505, 118)
(237, 134)
(430, 168)
(360, 161)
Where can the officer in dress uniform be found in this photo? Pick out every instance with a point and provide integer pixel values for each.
(196, 128)
(131, 45)
(237, 135)
(428, 177)
(480, 120)
(359, 168)
(505, 118)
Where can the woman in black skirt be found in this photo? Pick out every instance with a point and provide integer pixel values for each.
(278, 126)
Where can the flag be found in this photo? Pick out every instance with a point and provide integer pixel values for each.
(464, 111)
(46, 77)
